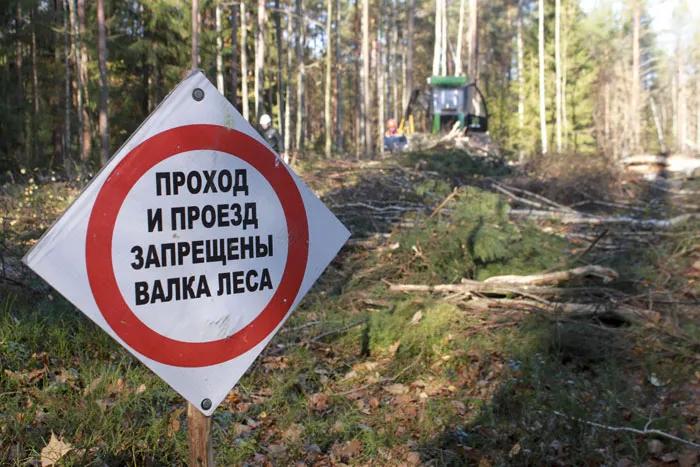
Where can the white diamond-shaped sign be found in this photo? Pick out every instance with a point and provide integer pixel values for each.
(193, 245)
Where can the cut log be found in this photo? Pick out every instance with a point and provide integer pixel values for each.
(644, 159)
(467, 288)
(556, 278)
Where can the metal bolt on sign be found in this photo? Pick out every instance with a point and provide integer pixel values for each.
(198, 94)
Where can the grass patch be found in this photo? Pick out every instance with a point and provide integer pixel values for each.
(424, 380)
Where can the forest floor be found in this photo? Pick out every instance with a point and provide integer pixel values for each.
(364, 375)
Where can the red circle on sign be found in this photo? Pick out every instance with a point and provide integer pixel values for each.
(98, 246)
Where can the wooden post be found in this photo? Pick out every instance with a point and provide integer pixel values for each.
(199, 438)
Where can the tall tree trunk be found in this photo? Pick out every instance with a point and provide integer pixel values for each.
(35, 90)
(288, 97)
(408, 89)
(460, 38)
(474, 41)
(682, 104)
(20, 51)
(102, 65)
(697, 112)
(392, 62)
(564, 82)
(521, 82)
(20, 74)
(195, 34)
(339, 83)
(327, 89)
(543, 115)
(219, 47)
(260, 61)
(366, 91)
(301, 78)
(75, 53)
(67, 157)
(381, 111)
(443, 36)
(437, 48)
(234, 55)
(359, 132)
(657, 124)
(244, 62)
(83, 72)
(280, 65)
(557, 66)
(636, 80)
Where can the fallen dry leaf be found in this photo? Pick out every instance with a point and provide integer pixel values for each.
(396, 389)
(416, 318)
(347, 451)
(93, 385)
(292, 435)
(141, 389)
(53, 451)
(27, 377)
(174, 425)
(319, 402)
(394, 348)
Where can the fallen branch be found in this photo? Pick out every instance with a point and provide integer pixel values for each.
(317, 338)
(575, 219)
(468, 288)
(440, 206)
(646, 431)
(534, 195)
(517, 198)
(556, 278)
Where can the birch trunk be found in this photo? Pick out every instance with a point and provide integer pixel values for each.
(380, 85)
(557, 66)
(244, 63)
(521, 82)
(219, 47)
(234, 55)
(359, 133)
(339, 84)
(543, 116)
(280, 65)
(681, 106)
(327, 89)
(460, 38)
(260, 61)
(366, 92)
(474, 41)
(438, 37)
(636, 84)
(408, 89)
(443, 46)
(697, 113)
(392, 62)
(564, 74)
(195, 34)
(104, 92)
(301, 79)
(288, 97)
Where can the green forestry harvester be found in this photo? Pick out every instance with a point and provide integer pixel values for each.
(445, 101)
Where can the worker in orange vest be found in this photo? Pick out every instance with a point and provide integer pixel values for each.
(394, 141)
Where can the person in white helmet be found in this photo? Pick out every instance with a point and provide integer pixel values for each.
(271, 135)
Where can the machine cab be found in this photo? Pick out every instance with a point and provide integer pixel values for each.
(454, 100)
